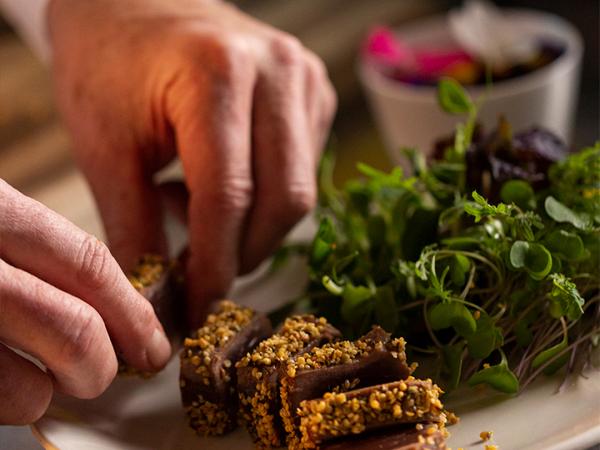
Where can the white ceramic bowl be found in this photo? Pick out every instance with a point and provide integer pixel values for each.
(409, 116)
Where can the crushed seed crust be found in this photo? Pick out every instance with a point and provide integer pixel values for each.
(148, 270)
(260, 413)
(207, 418)
(329, 355)
(295, 334)
(486, 435)
(341, 414)
(344, 352)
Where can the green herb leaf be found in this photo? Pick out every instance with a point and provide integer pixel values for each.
(561, 213)
(323, 243)
(487, 338)
(565, 298)
(356, 302)
(452, 314)
(525, 223)
(575, 181)
(481, 208)
(459, 269)
(500, 377)
(453, 360)
(452, 97)
(518, 192)
(550, 353)
(568, 245)
(532, 257)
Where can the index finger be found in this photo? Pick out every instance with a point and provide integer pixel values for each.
(45, 244)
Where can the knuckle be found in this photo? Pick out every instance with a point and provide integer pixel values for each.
(83, 333)
(287, 50)
(300, 199)
(80, 348)
(224, 57)
(316, 66)
(95, 268)
(233, 195)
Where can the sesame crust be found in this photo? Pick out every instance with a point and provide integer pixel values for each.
(207, 378)
(208, 418)
(354, 412)
(338, 367)
(294, 336)
(218, 329)
(258, 382)
(147, 271)
(344, 352)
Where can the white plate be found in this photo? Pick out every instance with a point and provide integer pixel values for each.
(146, 414)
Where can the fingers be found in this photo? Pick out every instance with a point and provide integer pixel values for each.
(242, 203)
(51, 248)
(321, 99)
(25, 390)
(66, 334)
(210, 111)
(130, 210)
(293, 107)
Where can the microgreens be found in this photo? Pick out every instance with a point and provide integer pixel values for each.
(460, 276)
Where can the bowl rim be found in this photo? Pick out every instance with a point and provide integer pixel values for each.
(374, 80)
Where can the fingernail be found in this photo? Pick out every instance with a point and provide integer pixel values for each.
(159, 350)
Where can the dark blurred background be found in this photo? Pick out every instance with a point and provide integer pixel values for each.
(34, 148)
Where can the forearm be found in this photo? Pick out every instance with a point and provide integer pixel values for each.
(29, 18)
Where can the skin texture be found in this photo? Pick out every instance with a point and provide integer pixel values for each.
(244, 106)
(140, 82)
(62, 295)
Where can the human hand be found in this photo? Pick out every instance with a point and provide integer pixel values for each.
(62, 299)
(244, 106)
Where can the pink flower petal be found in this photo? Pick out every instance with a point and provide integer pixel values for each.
(431, 61)
(383, 47)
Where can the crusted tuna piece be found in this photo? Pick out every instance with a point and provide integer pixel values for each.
(340, 366)
(161, 283)
(208, 377)
(258, 374)
(362, 410)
